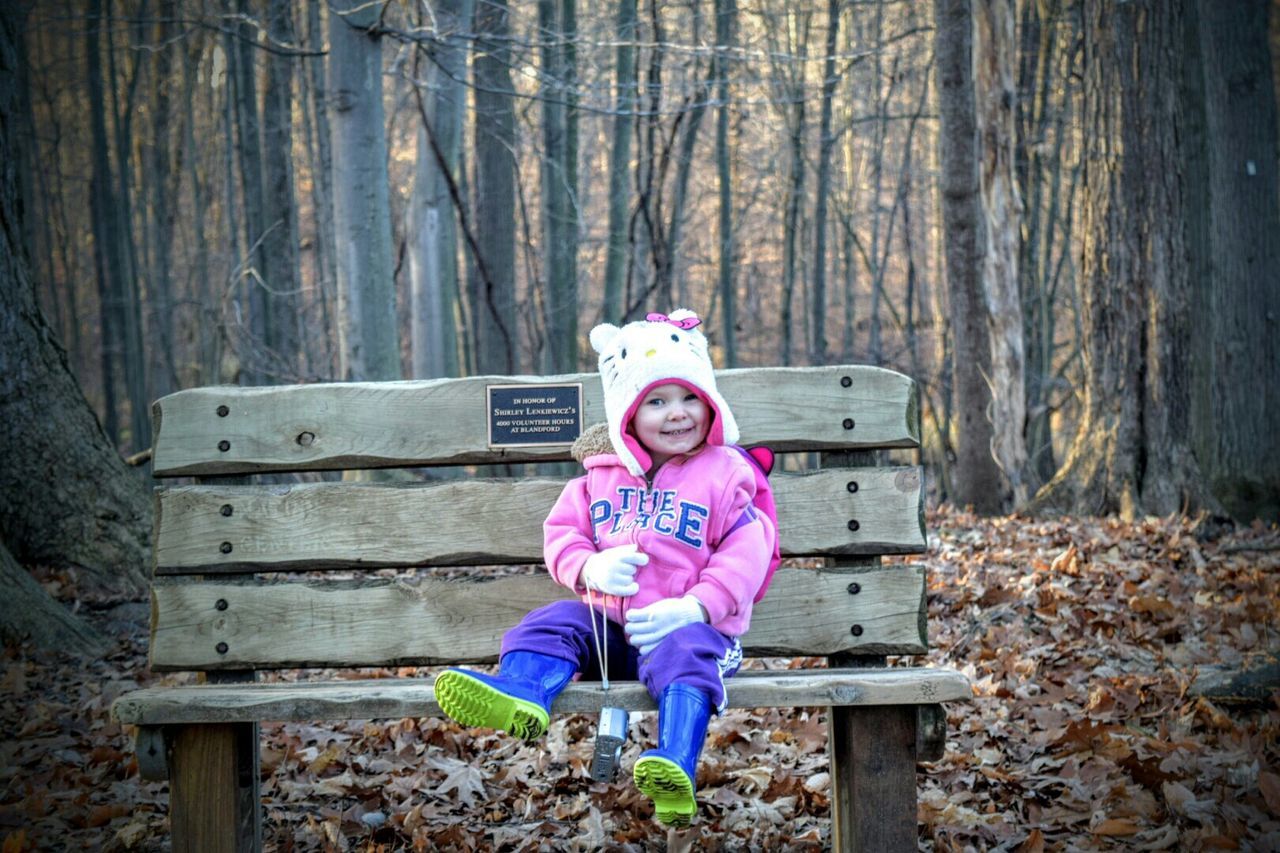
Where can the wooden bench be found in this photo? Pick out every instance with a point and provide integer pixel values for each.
(224, 603)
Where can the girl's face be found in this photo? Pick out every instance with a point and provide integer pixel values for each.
(671, 420)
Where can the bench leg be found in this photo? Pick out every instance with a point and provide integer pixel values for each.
(873, 778)
(214, 801)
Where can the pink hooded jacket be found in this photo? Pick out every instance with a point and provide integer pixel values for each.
(695, 520)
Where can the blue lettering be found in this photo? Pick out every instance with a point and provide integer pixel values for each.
(600, 512)
(668, 501)
(662, 523)
(690, 524)
(625, 493)
(617, 519)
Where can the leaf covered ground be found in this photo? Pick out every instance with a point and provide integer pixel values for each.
(1083, 638)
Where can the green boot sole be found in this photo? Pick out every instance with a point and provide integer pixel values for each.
(670, 788)
(475, 704)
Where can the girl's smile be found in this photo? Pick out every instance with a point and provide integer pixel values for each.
(671, 420)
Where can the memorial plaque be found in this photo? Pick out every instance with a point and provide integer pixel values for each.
(534, 415)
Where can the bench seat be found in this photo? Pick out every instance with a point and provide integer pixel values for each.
(395, 698)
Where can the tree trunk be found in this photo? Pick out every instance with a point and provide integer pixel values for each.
(433, 233)
(203, 369)
(616, 253)
(558, 231)
(993, 59)
(684, 167)
(280, 220)
(66, 498)
(652, 270)
(370, 348)
(573, 208)
(1238, 354)
(493, 288)
(726, 17)
(875, 345)
(106, 245)
(794, 107)
(818, 355)
(129, 286)
(29, 614)
(163, 198)
(324, 274)
(1131, 453)
(975, 479)
(1039, 170)
(253, 265)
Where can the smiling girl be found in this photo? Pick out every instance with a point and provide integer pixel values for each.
(664, 530)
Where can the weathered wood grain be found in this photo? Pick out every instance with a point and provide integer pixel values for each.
(216, 529)
(260, 625)
(204, 806)
(436, 422)
(873, 805)
(395, 698)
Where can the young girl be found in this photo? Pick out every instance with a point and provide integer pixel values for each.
(660, 536)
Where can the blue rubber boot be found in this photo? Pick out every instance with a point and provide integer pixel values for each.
(667, 774)
(517, 700)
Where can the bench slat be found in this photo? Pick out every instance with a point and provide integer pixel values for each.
(396, 698)
(441, 422)
(263, 625)
(219, 529)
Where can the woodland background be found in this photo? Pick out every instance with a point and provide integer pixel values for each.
(1061, 218)
(1042, 211)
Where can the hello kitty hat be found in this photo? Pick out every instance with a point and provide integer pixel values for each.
(654, 351)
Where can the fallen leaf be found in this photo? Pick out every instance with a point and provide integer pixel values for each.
(101, 815)
(467, 780)
(1116, 826)
(755, 778)
(1034, 843)
(1269, 784)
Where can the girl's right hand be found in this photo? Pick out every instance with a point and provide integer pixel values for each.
(613, 570)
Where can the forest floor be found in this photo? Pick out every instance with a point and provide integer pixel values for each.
(1082, 638)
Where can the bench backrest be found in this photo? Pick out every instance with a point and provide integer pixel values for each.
(228, 593)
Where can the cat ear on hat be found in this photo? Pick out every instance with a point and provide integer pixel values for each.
(601, 336)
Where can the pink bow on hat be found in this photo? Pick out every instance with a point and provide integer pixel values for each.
(686, 324)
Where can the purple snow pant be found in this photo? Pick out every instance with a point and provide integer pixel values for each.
(697, 655)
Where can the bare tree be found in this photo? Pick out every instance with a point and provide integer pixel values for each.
(163, 184)
(118, 286)
(726, 21)
(1131, 453)
(993, 51)
(320, 353)
(1237, 257)
(280, 208)
(1045, 96)
(792, 104)
(617, 251)
(362, 210)
(975, 479)
(492, 280)
(432, 225)
(66, 497)
(242, 55)
(558, 219)
(826, 141)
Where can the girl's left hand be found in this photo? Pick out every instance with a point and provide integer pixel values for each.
(647, 626)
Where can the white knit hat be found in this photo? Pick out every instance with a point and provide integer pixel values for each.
(651, 352)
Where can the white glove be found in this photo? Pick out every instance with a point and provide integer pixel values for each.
(646, 626)
(613, 570)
